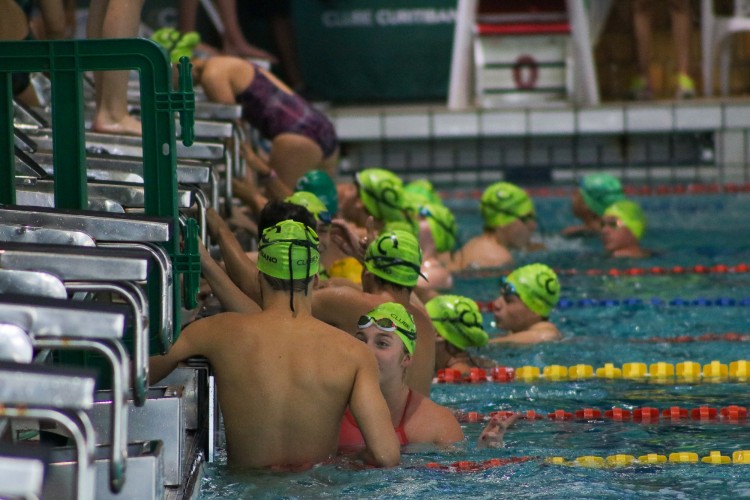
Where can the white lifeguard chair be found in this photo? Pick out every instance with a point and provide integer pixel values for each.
(525, 51)
(716, 32)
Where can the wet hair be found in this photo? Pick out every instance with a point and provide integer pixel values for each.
(380, 281)
(282, 285)
(277, 211)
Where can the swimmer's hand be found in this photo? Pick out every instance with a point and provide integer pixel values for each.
(492, 435)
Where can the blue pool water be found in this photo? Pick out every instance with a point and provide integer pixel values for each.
(688, 230)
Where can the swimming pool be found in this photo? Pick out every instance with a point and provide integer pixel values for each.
(607, 317)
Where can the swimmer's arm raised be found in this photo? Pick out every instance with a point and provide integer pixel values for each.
(373, 416)
(231, 297)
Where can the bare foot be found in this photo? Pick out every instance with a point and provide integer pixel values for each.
(127, 126)
(244, 49)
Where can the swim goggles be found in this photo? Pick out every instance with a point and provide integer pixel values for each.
(383, 324)
(425, 212)
(507, 289)
(611, 223)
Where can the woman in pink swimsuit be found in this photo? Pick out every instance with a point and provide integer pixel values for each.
(389, 332)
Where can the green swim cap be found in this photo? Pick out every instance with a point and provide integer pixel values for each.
(401, 320)
(442, 225)
(289, 251)
(537, 286)
(177, 44)
(457, 319)
(424, 189)
(321, 185)
(312, 203)
(382, 194)
(502, 203)
(402, 225)
(395, 257)
(600, 191)
(630, 214)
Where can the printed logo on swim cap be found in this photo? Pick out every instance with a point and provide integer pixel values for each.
(458, 320)
(503, 203)
(289, 251)
(381, 192)
(395, 256)
(538, 287)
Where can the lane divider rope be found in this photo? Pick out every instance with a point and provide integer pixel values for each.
(659, 372)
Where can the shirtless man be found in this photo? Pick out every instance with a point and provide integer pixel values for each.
(391, 269)
(527, 296)
(284, 378)
(509, 223)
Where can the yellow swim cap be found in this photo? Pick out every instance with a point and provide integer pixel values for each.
(348, 267)
(457, 319)
(537, 286)
(395, 256)
(392, 317)
(382, 194)
(502, 203)
(630, 214)
(289, 251)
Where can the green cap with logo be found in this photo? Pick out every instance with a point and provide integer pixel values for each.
(537, 286)
(312, 203)
(395, 257)
(502, 203)
(442, 225)
(458, 320)
(178, 44)
(321, 185)
(600, 191)
(289, 251)
(404, 321)
(382, 194)
(630, 213)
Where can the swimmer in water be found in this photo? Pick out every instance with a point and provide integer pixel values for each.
(623, 225)
(389, 332)
(595, 193)
(459, 325)
(527, 297)
(276, 414)
(509, 223)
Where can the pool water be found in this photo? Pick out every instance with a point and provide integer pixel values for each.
(601, 325)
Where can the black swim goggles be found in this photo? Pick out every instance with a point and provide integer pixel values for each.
(507, 289)
(384, 324)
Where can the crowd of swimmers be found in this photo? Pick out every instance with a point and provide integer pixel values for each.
(327, 334)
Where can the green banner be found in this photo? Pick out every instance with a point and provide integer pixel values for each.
(364, 51)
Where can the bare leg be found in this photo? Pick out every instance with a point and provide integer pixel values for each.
(642, 27)
(293, 155)
(681, 33)
(55, 19)
(114, 19)
(13, 22)
(234, 41)
(282, 31)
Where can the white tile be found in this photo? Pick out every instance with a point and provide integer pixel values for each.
(551, 122)
(697, 117)
(407, 126)
(601, 120)
(455, 124)
(646, 119)
(736, 115)
(358, 127)
(493, 123)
